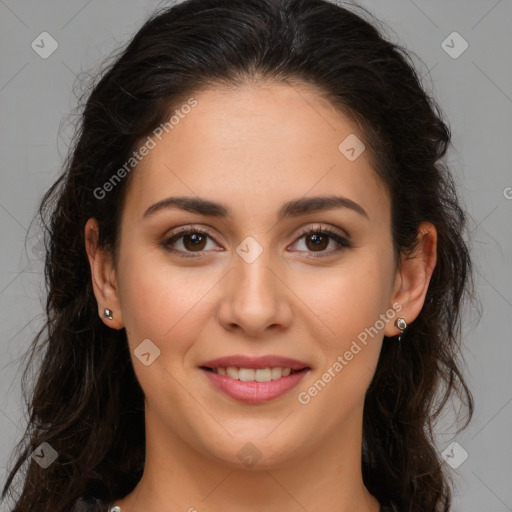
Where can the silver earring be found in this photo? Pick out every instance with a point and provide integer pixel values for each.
(107, 313)
(402, 325)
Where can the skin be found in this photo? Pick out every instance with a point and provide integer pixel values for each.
(253, 148)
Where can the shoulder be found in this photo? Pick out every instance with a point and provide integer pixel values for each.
(89, 504)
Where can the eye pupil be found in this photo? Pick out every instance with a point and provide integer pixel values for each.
(196, 240)
(319, 240)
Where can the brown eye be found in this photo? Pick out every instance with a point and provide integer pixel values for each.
(194, 241)
(318, 241)
(191, 240)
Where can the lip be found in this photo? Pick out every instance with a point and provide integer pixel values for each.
(255, 392)
(267, 361)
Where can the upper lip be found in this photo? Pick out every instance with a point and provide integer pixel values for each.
(267, 361)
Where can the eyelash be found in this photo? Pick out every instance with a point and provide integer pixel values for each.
(342, 241)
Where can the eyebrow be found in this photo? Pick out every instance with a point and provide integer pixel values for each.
(289, 209)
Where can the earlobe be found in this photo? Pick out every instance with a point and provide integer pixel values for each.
(413, 277)
(103, 277)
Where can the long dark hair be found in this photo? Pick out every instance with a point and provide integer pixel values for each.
(87, 403)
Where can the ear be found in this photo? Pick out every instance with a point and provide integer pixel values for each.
(413, 277)
(103, 277)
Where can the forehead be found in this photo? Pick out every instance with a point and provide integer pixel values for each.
(257, 145)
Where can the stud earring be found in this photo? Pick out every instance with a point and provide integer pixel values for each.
(107, 313)
(402, 325)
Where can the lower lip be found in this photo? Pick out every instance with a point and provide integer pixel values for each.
(255, 392)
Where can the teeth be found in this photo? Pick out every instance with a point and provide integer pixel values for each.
(246, 374)
(263, 375)
(251, 375)
(232, 372)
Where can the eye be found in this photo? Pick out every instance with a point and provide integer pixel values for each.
(317, 239)
(194, 240)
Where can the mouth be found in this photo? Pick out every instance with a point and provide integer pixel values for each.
(254, 374)
(254, 380)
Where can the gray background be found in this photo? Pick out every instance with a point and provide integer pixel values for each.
(474, 90)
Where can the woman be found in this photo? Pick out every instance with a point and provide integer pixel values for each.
(255, 271)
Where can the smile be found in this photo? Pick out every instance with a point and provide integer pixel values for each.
(243, 384)
(254, 374)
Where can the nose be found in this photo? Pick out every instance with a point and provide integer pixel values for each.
(255, 297)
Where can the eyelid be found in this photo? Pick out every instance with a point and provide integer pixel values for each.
(177, 233)
(331, 231)
(185, 229)
(298, 233)
(319, 227)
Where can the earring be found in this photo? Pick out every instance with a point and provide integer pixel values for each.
(402, 325)
(107, 313)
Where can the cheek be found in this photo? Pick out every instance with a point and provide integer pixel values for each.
(162, 302)
(349, 303)
(163, 305)
(347, 299)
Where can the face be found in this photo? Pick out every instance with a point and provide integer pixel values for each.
(194, 286)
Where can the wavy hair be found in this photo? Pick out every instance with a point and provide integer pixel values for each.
(86, 402)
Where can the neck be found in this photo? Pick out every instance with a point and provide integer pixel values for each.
(325, 478)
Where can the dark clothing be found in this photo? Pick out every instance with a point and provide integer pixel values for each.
(97, 505)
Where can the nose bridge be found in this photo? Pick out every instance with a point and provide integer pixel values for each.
(254, 282)
(255, 298)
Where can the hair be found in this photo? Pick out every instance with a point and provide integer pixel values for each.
(87, 403)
